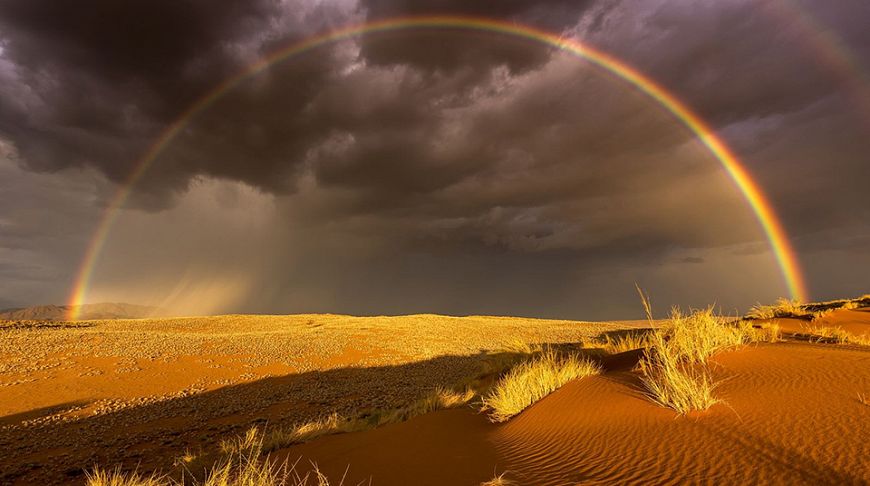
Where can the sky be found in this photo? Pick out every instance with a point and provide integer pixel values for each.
(431, 170)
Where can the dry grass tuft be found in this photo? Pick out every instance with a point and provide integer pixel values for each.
(519, 346)
(334, 423)
(782, 308)
(673, 366)
(785, 308)
(626, 342)
(241, 467)
(303, 432)
(835, 335)
(114, 477)
(695, 337)
(532, 380)
(673, 382)
(499, 480)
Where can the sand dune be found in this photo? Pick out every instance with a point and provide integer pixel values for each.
(141, 393)
(791, 415)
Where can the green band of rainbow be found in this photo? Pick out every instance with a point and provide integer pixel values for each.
(785, 255)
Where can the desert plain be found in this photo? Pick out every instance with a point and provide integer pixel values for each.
(408, 400)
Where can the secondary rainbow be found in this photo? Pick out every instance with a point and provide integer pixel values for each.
(764, 212)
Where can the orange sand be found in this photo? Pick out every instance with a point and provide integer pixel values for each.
(791, 415)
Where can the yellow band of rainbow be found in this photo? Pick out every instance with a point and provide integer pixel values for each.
(764, 212)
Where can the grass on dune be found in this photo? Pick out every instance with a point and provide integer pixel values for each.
(243, 467)
(532, 380)
(836, 335)
(114, 477)
(786, 308)
(334, 423)
(673, 367)
(626, 342)
(499, 480)
(672, 381)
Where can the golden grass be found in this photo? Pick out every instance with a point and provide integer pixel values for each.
(785, 308)
(836, 335)
(673, 366)
(334, 423)
(782, 308)
(519, 346)
(242, 467)
(499, 480)
(114, 477)
(671, 381)
(532, 380)
(697, 336)
(626, 342)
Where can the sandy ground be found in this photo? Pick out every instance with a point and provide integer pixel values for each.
(791, 415)
(138, 393)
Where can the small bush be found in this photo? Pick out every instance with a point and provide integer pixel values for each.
(114, 477)
(241, 467)
(626, 342)
(672, 381)
(532, 380)
(673, 366)
(783, 308)
(499, 480)
(836, 335)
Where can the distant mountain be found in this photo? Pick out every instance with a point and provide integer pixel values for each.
(87, 311)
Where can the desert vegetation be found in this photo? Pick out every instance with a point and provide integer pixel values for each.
(532, 380)
(788, 308)
(512, 370)
(245, 465)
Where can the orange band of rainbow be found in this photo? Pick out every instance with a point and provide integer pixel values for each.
(776, 236)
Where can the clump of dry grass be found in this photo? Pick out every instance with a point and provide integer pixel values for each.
(672, 381)
(782, 308)
(836, 335)
(532, 380)
(114, 477)
(697, 336)
(334, 423)
(673, 366)
(785, 308)
(625, 342)
(769, 332)
(499, 480)
(519, 346)
(243, 466)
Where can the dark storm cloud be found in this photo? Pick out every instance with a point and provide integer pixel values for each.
(434, 50)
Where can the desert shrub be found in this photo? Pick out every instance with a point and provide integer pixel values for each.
(114, 477)
(699, 335)
(673, 381)
(242, 467)
(673, 366)
(532, 380)
(625, 342)
(783, 308)
(836, 335)
(499, 480)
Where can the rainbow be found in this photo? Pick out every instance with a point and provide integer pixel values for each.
(764, 212)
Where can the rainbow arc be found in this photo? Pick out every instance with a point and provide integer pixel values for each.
(763, 210)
